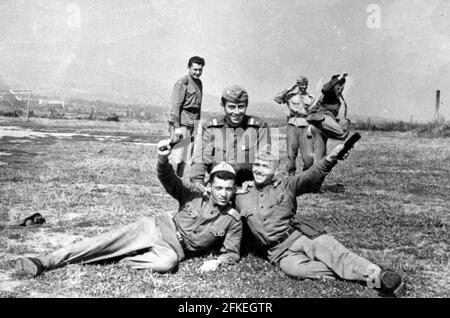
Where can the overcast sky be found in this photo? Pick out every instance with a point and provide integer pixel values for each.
(140, 48)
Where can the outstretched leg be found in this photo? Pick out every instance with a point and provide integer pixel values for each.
(332, 129)
(339, 260)
(141, 236)
(162, 258)
(299, 265)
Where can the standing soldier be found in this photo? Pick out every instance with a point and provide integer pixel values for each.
(232, 138)
(185, 111)
(298, 135)
(324, 115)
(299, 246)
(159, 243)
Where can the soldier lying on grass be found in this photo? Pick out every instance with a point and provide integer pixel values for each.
(300, 246)
(159, 243)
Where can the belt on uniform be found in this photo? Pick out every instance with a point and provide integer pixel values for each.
(282, 238)
(192, 111)
(181, 240)
(297, 116)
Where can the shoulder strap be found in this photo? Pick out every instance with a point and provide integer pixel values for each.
(215, 122)
(235, 214)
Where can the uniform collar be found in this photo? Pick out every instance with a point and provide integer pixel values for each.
(214, 205)
(276, 181)
(228, 124)
(190, 78)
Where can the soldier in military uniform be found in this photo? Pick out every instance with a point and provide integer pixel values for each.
(185, 111)
(298, 245)
(232, 138)
(202, 223)
(323, 115)
(298, 135)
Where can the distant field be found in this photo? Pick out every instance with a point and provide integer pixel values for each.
(395, 212)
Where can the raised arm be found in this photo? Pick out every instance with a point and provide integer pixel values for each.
(311, 180)
(171, 182)
(282, 97)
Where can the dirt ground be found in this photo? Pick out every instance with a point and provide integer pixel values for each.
(86, 178)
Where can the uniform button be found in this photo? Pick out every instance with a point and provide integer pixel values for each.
(262, 206)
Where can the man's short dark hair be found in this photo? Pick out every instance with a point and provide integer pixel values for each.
(197, 60)
(223, 175)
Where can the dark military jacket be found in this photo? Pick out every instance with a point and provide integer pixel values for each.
(330, 102)
(186, 102)
(234, 145)
(269, 211)
(200, 222)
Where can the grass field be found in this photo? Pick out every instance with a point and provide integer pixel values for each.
(394, 211)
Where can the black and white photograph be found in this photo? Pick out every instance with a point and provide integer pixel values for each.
(227, 149)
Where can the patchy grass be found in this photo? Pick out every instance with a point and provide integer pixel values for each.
(394, 212)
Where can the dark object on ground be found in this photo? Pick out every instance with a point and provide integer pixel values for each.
(34, 219)
(349, 145)
(391, 284)
(29, 266)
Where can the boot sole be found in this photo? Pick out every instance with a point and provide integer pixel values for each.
(390, 280)
(28, 267)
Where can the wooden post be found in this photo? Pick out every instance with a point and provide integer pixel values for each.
(28, 106)
(438, 103)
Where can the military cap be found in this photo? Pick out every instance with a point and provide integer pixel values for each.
(235, 94)
(302, 79)
(223, 166)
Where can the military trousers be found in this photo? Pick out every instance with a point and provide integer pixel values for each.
(139, 245)
(296, 138)
(324, 257)
(328, 128)
(182, 155)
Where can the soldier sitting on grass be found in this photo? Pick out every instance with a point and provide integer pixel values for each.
(300, 246)
(159, 243)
